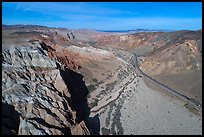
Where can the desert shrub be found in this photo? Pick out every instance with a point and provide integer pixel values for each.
(105, 131)
(94, 80)
(92, 42)
(95, 103)
(91, 88)
(88, 96)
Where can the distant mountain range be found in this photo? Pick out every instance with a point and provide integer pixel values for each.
(112, 31)
(22, 26)
(134, 31)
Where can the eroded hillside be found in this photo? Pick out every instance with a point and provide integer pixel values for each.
(173, 58)
(41, 93)
(58, 81)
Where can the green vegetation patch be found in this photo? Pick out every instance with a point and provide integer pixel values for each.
(94, 80)
(91, 88)
(93, 104)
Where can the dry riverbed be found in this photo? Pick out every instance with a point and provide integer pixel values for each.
(141, 110)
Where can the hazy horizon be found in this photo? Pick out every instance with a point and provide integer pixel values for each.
(100, 29)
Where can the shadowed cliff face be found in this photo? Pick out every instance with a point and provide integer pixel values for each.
(40, 96)
(78, 91)
(73, 81)
(10, 115)
(77, 88)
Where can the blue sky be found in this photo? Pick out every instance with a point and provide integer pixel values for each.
(106, 15)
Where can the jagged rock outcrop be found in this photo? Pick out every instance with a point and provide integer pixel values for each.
(70, 35)
(38, 97)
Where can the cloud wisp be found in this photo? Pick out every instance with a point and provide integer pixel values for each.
(103, 15)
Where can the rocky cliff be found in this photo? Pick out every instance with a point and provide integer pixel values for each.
(41, 96)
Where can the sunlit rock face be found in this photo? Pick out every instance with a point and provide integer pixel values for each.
(36, 97)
